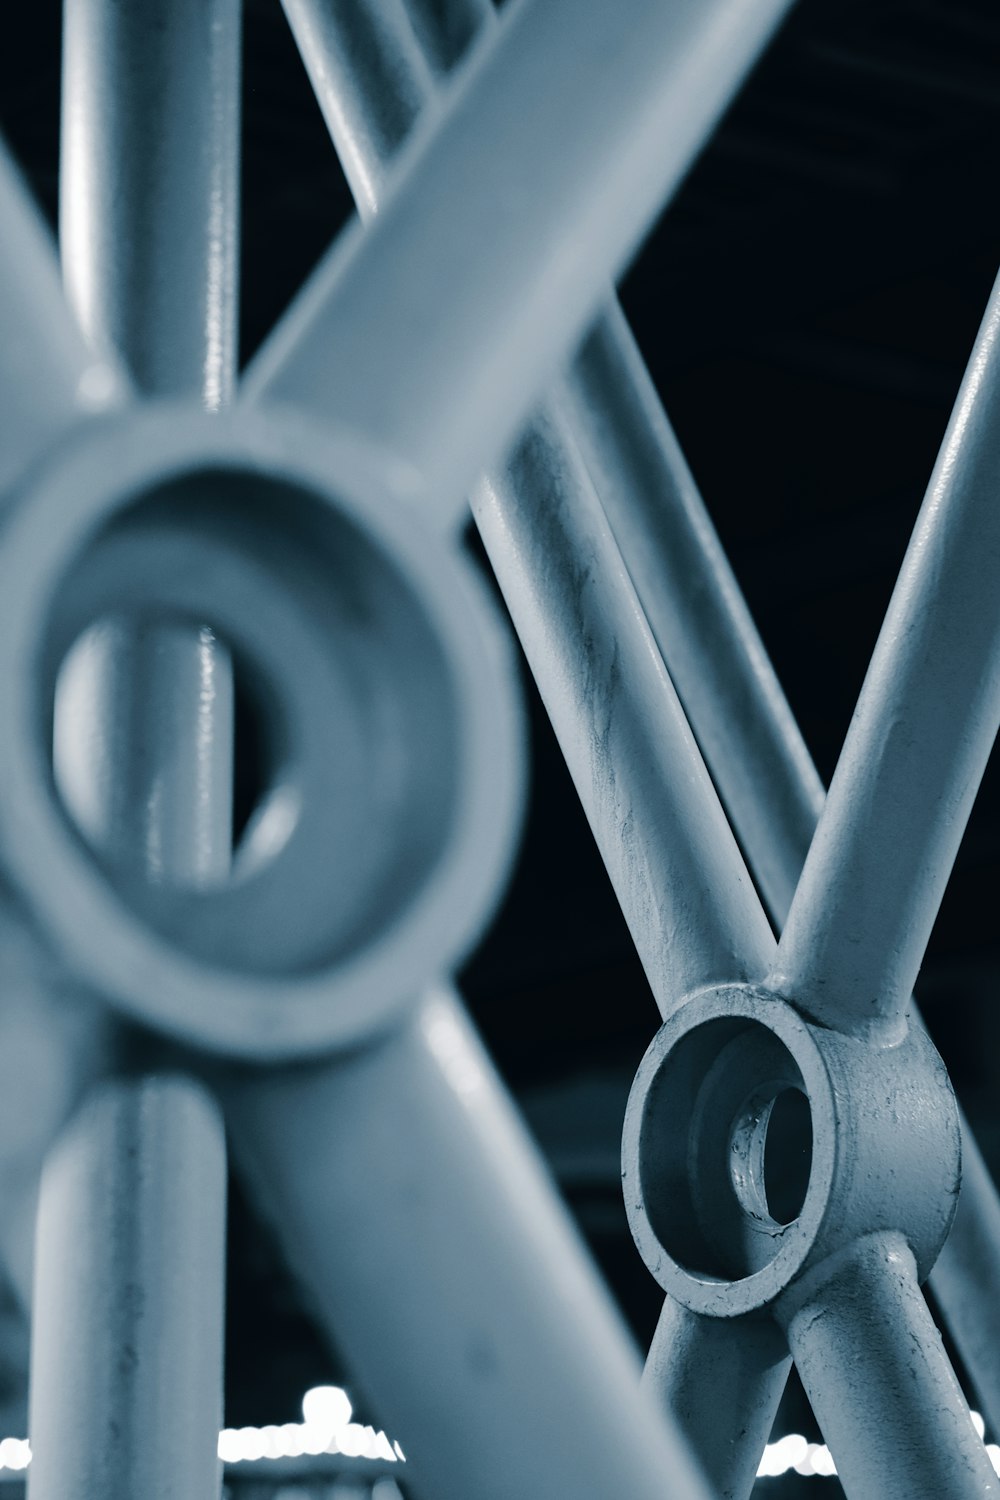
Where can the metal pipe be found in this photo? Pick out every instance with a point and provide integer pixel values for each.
(148, 213)
(570, 130)
(49, 376)
(369, 79)
(696, 612)
(876, 1374)
(126, 1349)
(687, 589)
(722, 1378)
(692, 909)
(143, 752)
(966, 1276)
(918, 743)
(670, 853)
(746, 731)
(412, 1204)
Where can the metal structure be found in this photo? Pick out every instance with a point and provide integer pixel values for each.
(173, 537)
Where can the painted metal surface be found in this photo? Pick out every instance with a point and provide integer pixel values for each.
(425, 1145)
(148, 214)
(918, 744)
(400, 670)
(412, 1204)
(472, 275)
(127, 1333)
(51, 379)
(142, 756)
(723, 1378)
(870, 1360)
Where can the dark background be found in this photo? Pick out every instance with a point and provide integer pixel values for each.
(806, 306)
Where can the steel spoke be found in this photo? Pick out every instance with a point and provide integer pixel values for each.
(879, 1381)
(433, 337)
(49, 377)
(143, 757)
(723, 1379)
(918, 744)
(411, 1203)
(126, 1331)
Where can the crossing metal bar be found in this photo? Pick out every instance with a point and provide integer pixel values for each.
(126, 1347)
(143, 756)
(691, 907)
(413, 1206)
(918, 744)
(746, 731)
(148, 214)
(690, 594)
(695, 609)
(869, 1357)
(569, 131)
(50, 377)
(723, 1385)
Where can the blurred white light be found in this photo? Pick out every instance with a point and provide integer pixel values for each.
(993, 1454)
(326, 1408)
(978, 1423)
(822, 1460)
(15, 1453)
(795, 1452)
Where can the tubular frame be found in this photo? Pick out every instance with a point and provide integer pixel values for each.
(495, 315)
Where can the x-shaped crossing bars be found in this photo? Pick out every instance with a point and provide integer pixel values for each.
(369, 94)
(734, 940)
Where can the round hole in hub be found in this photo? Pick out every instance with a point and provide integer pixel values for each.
(770, 1152)
(721, 1160)
(354, 744)
(787, 1155)
(302, 550)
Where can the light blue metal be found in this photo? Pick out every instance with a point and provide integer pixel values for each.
(149, 210)
(417, 1212)
(691, 907)
(126, 1346)
(918, 743)
(860, 1326)
(142, 755)
(50, 378)
(571, 129)
(686, 587)
(723, 1379)
(435, 381)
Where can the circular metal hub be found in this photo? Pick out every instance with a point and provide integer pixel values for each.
(384, 689)
(713, 1146)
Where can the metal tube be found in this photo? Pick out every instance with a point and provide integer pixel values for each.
(49, 377)
(570, 130)
(412, 1204)
(143, 752)
(695, 609)
(876, 1374)
(746, 730)
(370, 82)
(965, 1279)
(918, 744)
(148, 213)
(691, 907)
(126, 1349)
(669, 851)
(722, 1379)
(687, 589)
